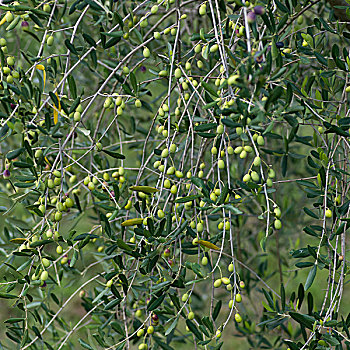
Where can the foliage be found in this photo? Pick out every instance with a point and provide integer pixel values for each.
(180, 167)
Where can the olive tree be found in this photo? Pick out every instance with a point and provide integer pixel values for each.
(175, 174)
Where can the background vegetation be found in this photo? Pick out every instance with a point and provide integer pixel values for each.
(175, 174)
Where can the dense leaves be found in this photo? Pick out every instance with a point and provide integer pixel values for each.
(175, 174)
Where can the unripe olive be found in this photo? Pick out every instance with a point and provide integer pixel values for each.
(50, 40)
(229, 150)
(195, 241)
(257, 161)
(138, 104)
(225, 280)
(10, 61)
(239, 130)
(179, 174)
(173, 189)
(178, 73)
(271, 173)
(202, 10)
(217, 283)
(165, 153)
(76, 117)
(172, 148)
(238, 298)
(146, 52)
(213, 196)
(44, 276)
(58, 216)
(167, 183)
(144, 23)
(230, 267)
(214, 48)
(221, 164)
(197, 48)
(109, 283)
(238, 149)
(260, 140)
(328, 213)
(59, 249)
(163, 73)
(255, 176)
(154, 9)
(278, 224)
(246, 178)
(120, 110)
(248, 149)
(49, 233)
(157, 35)
(204, 261)
(214, 150)
(200, 64)
(45, 262)
(190, 315)
(220, 129)
(200, 227)
(140, 332)
(42, 208)
(243, 154)
(9, 17)
(277, 212)
(6, 70)
(69, 202)
(238, 318)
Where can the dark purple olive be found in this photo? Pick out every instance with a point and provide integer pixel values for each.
(143, 69)
(251, 17)
(259, 59)
(13, 106)
(24, 24)
(6, 174)
(259, 10)
(280, 44)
